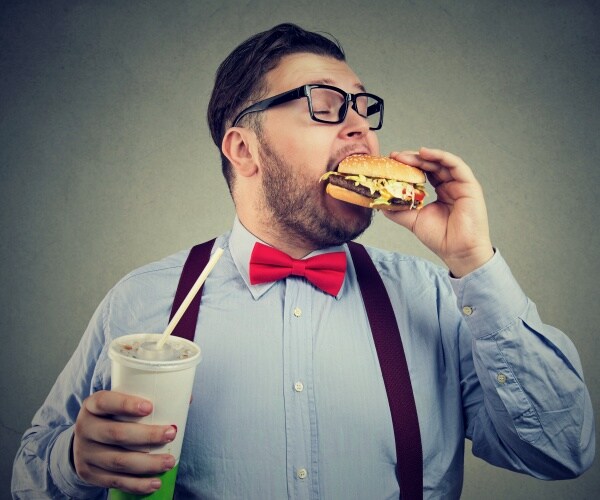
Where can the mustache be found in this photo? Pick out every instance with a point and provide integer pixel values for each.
(344, 152)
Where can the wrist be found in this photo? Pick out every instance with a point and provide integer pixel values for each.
(63, 472)
(463, 265)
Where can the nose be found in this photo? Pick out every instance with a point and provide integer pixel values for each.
(354, 125)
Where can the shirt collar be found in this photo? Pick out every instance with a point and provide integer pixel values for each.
(241, 243)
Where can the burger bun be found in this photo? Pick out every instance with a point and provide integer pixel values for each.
(342, 194)
(382, 167)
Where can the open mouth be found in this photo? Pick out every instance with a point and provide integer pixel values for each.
(355, 153)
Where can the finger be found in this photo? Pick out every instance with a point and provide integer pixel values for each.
(409, 157)
(123, 482)
(105, 403)
(119, 460)
(444, 157)
(455, 165)
(132, 434)
(436, 173)
(406, 218)
(449, 192)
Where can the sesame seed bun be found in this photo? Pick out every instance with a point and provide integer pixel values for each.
(348, 196)
(382, 167)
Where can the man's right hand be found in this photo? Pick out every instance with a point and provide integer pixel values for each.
(99, 445)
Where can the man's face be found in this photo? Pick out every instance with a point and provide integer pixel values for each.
(296, 151)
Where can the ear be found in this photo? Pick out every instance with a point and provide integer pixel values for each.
(240, 147)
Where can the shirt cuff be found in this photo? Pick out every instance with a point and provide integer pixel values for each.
(61, 469)
(489, 298)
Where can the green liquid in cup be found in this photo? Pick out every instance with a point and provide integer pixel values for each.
(165, 492)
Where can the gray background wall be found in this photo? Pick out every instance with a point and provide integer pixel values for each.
(106, 161)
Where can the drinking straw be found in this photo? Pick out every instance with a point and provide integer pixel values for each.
(189, 297)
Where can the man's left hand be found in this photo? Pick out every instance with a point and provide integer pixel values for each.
(455, 226)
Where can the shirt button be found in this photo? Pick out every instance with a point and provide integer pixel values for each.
(467, 310)
(501, 378)
(297, 312)
(298, 386)
(301, 473)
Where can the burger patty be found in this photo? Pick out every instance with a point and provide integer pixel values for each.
(341, 181)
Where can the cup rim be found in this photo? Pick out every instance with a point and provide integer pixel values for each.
(153, 365)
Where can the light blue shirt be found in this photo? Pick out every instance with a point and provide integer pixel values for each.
(289, 401)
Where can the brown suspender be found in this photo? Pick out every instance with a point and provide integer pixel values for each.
(394, 369)
(388, 344)
(195, 263)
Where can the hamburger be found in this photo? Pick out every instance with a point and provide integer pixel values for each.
(376, 182)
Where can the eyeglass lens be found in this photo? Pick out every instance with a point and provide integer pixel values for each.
(328, 106)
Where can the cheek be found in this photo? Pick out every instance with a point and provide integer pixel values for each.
(304, 149)
(373, 141)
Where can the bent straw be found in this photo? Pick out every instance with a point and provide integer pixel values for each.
(189, 297)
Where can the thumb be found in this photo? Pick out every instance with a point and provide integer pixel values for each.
(406, 218)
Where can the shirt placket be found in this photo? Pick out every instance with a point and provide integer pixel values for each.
(300, 414)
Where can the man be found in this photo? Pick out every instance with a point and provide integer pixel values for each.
(289, 399)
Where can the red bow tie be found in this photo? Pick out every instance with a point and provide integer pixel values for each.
(325, 271)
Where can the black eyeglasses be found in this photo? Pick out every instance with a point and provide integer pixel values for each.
(326, 104)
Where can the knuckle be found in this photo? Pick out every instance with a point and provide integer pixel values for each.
(119, 463)
(109, 402)
(116, 482)
(86, 406)
(156, 434)
(135, 486)
(79, 427)
(98, 400)
(124, 405)
(83, 471)
(116, 433)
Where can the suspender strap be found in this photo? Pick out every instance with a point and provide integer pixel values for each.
(388, 344)
(195, 263)
(394, 369)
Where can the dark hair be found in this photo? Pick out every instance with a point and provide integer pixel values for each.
(240, 78)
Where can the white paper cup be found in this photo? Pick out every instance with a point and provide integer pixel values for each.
(166, 378)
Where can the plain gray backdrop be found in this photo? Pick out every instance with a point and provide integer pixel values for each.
(106, 161)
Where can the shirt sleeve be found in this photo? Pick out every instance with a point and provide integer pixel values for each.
(42, 467)
(525, 401)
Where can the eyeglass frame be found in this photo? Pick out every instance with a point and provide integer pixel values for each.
(304, 91)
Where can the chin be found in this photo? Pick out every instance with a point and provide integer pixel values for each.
(353, 218)
(347, 209)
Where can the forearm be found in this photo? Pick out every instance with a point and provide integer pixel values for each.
(535, 414)
(42, 468)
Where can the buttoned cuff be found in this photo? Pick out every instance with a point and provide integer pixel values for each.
(61, 469)
(489, 298)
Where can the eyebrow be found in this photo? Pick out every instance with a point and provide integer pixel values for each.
(328, 81)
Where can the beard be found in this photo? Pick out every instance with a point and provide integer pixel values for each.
(295, 205)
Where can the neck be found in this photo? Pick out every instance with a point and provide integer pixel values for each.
(275, 236)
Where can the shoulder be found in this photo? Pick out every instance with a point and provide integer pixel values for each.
(152, 273)
(158, 272)
(149, 289)
(408, 268)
